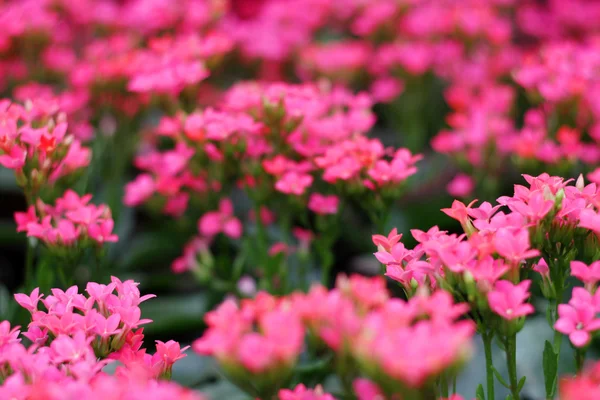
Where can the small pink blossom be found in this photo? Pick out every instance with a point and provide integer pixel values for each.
(514, 245)
(461, 185)
(293, 182)
(322, 204)
(508, 299)
(578, 320)
(588, 274)
(221, 221)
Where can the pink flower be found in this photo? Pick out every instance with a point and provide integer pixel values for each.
(102, 232)
(301, 392)
(24, 219)
(322, 204)
(542, 268)
(507, 299)
(139, 190)
(15, 158)
(387, 242)
(589, 219)
(72, 349)
(293, 182)
(513, 245)
(367, 390)
(589, 275)
(170, 352)
(459, 211)
(577, 321)
(536, 207)
(484, 212)
(221, 221)
(8, 335)
(29, 302)
(386, 89)
(106, 327)
(461, 186)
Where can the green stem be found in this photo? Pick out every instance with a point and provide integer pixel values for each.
(261, 244)
(326, 256)
(557, 341)
(488, 337)
(62, 277)
(444, 385)
(454, 385)
(511, 363)
(579, 359)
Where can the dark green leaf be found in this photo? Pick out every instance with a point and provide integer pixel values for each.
(479, 394)
(550, 361)
(500, 378)
(174, 314)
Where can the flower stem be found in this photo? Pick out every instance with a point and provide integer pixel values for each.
(557, 341)
(444, 385)
(489, 363)
(511, 363)
(579, 359)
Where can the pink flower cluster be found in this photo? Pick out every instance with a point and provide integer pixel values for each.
(258, 341)
(548, 205)
(34, 143)
(75, 338)
(72, 222)
(360, 320)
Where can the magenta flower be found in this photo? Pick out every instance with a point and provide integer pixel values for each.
(29, 302)
(221, 221)
(106, 327)
(535, 208)
(459, 211)
(103, 232)
(387, 242)
(461, 186)
(589, 219)
(508, 299)
(322, 204)
(170, 352)
(293, 182)
(588, 274)
(577, 321)
(72, 349)
(301, 392)
(15, 158)
(542, 268)
(24, 219)
(367, 390)
(514, 245)
(8, 335)
(140, 190)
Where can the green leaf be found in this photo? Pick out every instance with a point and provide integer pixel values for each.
(521, 383)
(550, 361)
(479, 394)
(182, 313)
(500, 378)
